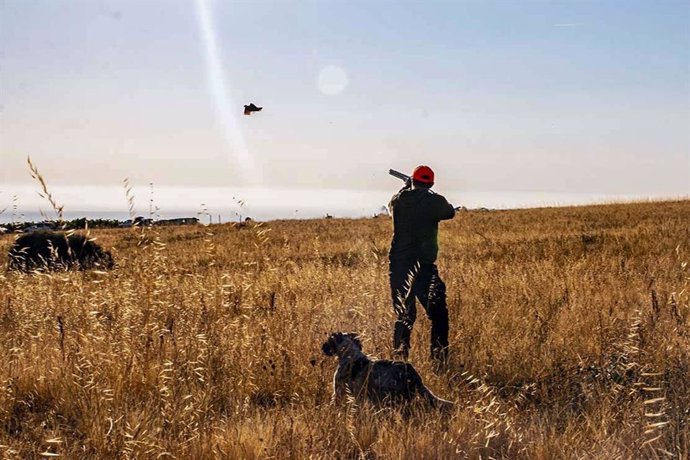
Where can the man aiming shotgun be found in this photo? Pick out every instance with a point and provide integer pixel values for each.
(416, 212)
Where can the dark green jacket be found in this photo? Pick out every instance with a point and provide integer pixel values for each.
(416, 214)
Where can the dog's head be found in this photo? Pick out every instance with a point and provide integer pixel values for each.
(339, 343)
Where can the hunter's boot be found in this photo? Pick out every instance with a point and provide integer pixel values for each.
(401, 340)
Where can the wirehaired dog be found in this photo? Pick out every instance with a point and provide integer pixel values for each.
(379, 381)
(57, 251)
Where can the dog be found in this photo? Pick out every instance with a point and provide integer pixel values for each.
(57, 251)
(378, 381)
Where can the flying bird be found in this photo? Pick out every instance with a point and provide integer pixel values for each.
(248, 109)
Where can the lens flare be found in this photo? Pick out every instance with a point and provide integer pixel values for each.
(225, 107)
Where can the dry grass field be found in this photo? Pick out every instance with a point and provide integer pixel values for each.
(570, 339)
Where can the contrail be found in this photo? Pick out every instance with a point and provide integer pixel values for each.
(224, 104)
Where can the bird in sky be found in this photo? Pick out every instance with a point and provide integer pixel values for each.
(248, 109)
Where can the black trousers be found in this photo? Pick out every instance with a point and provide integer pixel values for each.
(410, 281)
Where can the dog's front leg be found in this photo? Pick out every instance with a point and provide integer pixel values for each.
(339, 395)
(339, 388)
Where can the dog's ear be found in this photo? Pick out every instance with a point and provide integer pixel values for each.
(355, 338)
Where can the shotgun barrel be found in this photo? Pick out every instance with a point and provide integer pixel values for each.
(399, 175)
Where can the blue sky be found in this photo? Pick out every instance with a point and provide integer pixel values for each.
(562, 96)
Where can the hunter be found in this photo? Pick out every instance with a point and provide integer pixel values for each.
(416, 212)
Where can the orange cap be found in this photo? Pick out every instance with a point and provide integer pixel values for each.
(423, 174)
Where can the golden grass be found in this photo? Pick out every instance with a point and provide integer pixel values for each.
(570, 339)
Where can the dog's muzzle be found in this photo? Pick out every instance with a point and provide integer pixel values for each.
(328, 348)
